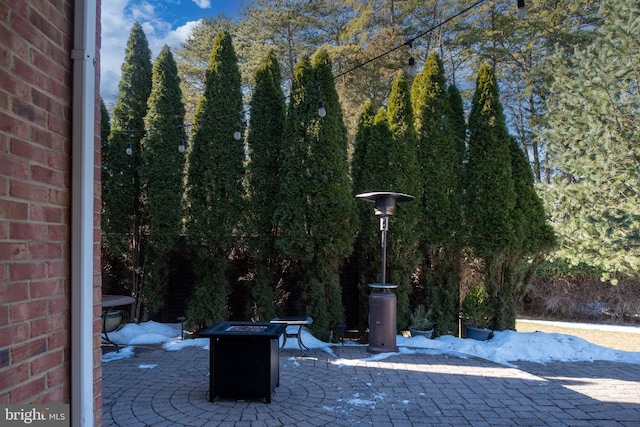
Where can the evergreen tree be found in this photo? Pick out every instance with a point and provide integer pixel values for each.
(193, 59)
(403, 255)
(332, 207)
(490, 195)
(457, 121)
(316, 212)
(508, 228)
(593, 137)
(363, 137)
(263, 175)
(161, 176)
(215, 184)
(534, 236)
(290, 217)
(519, 51)
(440, 154)
(385, 160)
(366, 245)
(121, 220)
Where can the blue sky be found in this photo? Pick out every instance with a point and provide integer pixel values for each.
(164, 22)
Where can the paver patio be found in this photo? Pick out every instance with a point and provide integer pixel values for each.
(156, 387)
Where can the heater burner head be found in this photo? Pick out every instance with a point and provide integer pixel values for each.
(385, 201)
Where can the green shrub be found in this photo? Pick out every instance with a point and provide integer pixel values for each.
(475, 308)
(421, 318)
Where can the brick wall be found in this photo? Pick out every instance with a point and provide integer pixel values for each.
(35, 204)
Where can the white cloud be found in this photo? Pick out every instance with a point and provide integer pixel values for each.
(118, 17)
(203, 4)
(142, 11)
(175, 38)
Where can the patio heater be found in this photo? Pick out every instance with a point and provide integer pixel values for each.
(383, 303)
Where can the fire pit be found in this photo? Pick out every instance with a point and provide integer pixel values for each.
(244, 359)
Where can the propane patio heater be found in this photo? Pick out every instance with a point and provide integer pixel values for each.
(383, 304)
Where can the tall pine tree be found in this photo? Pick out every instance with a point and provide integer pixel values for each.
(593, 138)
(366, 255)
(263, 176)
(122, 220)
(385, 160)
(290, 216)
(161, 176)
(316, 213)
(331, 205)
(508, 228)
(403, 253)
(215, 184)
(490, 195)
(440, 154)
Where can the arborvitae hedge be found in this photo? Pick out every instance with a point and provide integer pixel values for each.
(121, 193)
(332, 207)
(490, 196)
(366, 245)
(161, 176)
(507, 222)
(121, 220)
(440, 156)
(263, 179)
(385, 160)
(403, 255)
(316, 212)
(215, 193)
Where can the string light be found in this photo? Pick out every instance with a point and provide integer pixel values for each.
(237, 135)
(412, 70)
(182, 145)
(129, 149)
(522, 9)
(321, 108)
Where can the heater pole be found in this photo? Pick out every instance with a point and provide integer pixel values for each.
(384, 226)
(383, 305)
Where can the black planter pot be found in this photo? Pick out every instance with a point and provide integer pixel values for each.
(480, 334)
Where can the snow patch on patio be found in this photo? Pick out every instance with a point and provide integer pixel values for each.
(503, 348)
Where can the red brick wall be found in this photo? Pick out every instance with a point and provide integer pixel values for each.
(35, 204)
(97, 236)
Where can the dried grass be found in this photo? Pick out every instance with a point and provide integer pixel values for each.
(583, 298)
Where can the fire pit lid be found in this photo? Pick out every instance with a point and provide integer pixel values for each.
(262, 329)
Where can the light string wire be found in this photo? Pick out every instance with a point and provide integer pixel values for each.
(408, 42)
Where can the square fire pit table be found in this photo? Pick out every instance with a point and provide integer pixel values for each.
(244, 359)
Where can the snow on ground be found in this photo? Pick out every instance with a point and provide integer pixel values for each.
(504, 347)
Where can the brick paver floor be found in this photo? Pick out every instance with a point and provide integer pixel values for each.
(156, 387)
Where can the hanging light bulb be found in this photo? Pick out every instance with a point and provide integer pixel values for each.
(522, 9)
(129, 149)
(182, 145)
(412, 70)
(238, 133)
(321, 110)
